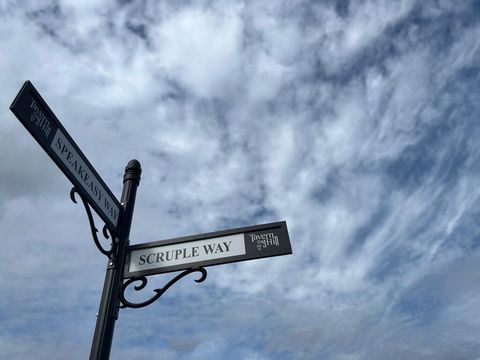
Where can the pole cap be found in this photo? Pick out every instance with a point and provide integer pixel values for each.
(133, 170)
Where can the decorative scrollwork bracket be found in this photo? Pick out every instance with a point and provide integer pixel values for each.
(159, 292)
(107, 232)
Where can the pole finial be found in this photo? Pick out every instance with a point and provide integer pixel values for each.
(133, 170)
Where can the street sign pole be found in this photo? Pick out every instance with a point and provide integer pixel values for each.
(132, 264)
(109, 304)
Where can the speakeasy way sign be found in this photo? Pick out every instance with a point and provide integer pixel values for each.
(34, 113)
(214, 248)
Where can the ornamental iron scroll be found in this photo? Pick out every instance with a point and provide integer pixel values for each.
(159, 292)
(107, 232)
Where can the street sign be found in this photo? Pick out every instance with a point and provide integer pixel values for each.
(214, 248)
(34, 113)
(190, 253)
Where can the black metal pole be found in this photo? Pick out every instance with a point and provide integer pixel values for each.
(109, 305)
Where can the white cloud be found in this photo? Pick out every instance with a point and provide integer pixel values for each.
(202, 49)
(368, 22)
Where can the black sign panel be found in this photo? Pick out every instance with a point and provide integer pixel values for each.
(221, 247)
(34, 113)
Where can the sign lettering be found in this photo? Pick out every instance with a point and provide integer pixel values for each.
(73, 161)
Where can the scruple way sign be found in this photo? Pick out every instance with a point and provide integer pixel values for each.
(215, 248)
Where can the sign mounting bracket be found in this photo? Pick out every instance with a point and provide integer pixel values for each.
(107, 233)
(159, 292)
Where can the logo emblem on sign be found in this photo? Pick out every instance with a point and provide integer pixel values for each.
(265, 240)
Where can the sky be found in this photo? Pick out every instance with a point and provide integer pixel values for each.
(356, 122)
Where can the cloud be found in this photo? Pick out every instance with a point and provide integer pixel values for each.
(356, 123)
(212, 42)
